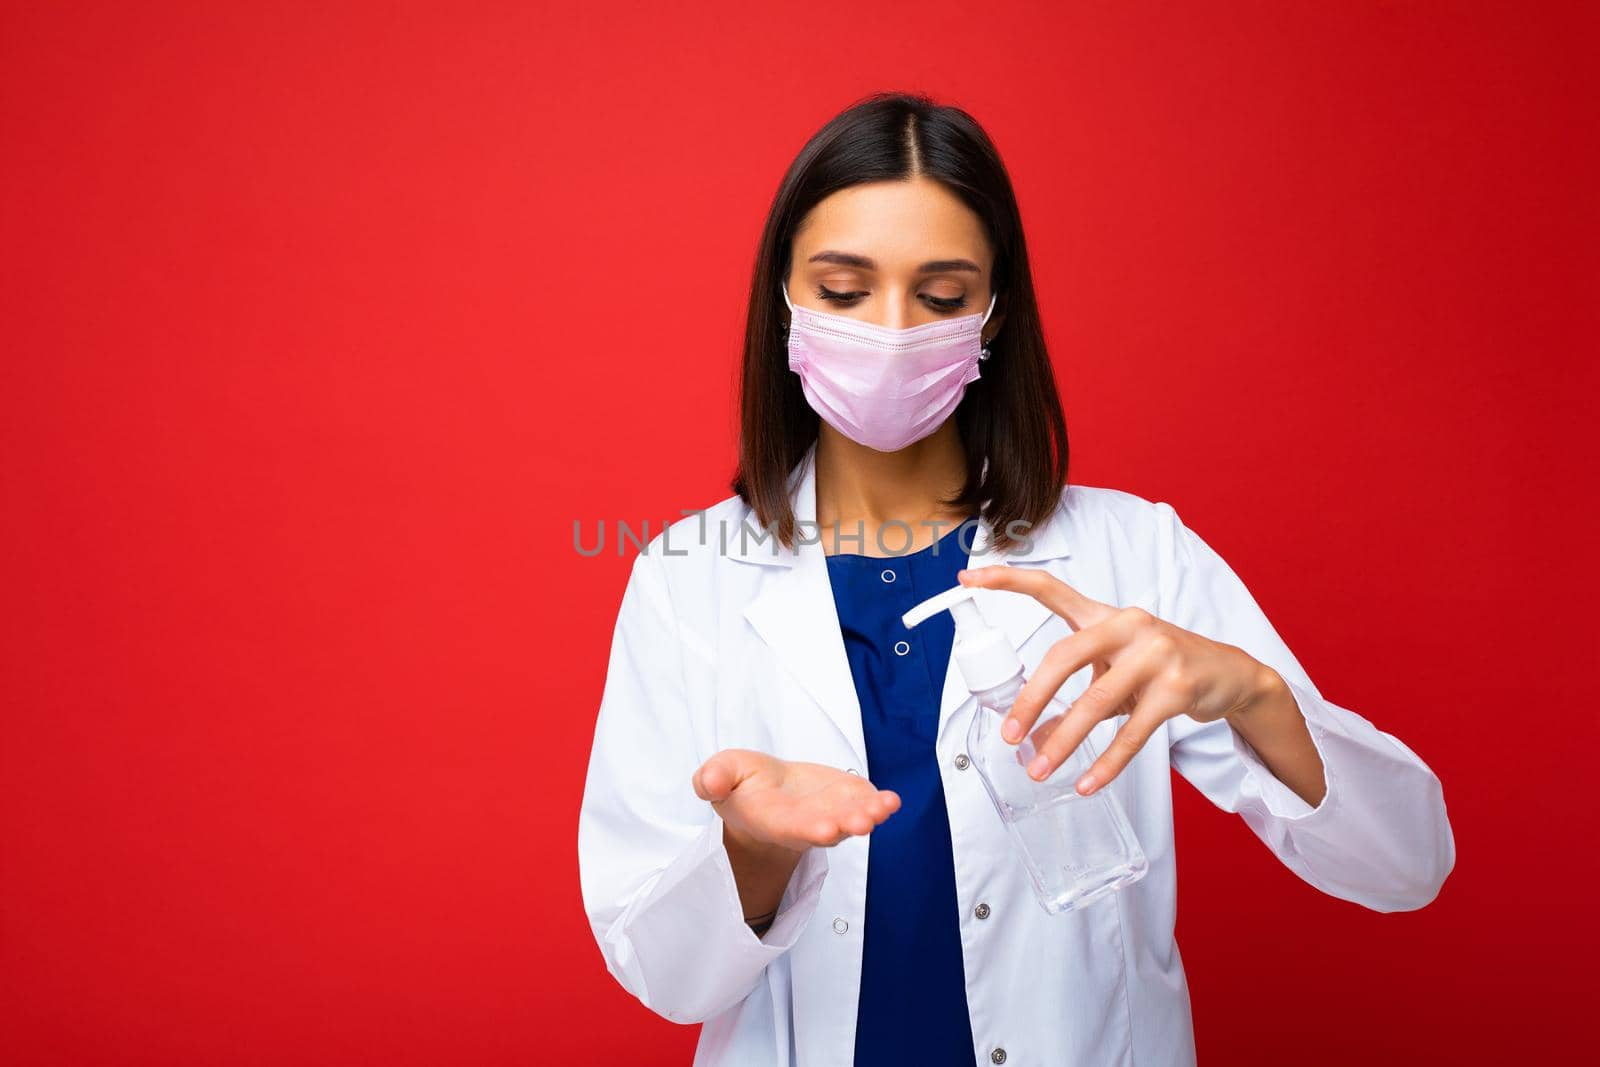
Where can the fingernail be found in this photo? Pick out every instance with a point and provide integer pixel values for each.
(1038, 767)
(1011, 731)
(1086, 784)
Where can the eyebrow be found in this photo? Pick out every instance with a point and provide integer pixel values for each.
(850, 259)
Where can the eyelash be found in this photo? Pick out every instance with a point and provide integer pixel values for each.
(847, 299)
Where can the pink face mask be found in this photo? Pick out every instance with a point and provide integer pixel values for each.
(879, 386)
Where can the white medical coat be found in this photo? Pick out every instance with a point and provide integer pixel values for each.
(727, 641)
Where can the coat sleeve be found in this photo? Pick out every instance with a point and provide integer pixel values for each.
(1380, 836)
(656, 880)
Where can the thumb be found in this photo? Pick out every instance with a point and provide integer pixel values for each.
(720, 775)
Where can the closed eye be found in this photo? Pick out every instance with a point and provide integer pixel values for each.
(849, 299)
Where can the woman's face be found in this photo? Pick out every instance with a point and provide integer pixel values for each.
(894, 253)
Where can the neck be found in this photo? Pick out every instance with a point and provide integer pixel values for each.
(860, 489)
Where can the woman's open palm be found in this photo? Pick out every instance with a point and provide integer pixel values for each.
(789, 803)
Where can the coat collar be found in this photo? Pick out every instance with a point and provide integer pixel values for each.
(795, 614)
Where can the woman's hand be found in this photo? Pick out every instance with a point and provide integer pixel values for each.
(789, 804)
(1144, 667)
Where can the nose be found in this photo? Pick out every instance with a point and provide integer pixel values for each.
(899, 318)
(897, 312)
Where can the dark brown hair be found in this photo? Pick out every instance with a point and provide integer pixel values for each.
(1011, 415)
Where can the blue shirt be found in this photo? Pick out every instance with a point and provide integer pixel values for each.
(913, 1005)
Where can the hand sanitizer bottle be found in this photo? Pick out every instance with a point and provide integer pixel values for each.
(1077, 849)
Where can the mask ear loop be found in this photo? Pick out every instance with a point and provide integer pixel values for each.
(984, 353)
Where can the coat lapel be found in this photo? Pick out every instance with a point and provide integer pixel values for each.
(795, 616)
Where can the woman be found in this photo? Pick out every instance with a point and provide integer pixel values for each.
(781, 836)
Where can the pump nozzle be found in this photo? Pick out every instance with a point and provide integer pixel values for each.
(945, 601)
(982, 652)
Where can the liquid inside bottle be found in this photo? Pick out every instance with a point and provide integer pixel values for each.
(1077, 849)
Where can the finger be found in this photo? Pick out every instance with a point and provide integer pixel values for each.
(1065, 658)
(824, 831)
(714, 779)
(1044, 732)
(830, 830)
(887, 804)
(864, 814)
(1046, 588)
(1127, 742)
(728, 769)
(1098, 702)
(857, 823)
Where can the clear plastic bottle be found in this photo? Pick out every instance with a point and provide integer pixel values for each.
(1076, 849)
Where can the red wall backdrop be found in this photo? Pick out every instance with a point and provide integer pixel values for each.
(323, 323)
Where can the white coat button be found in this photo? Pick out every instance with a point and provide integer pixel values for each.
(888, 575)
(962, 761)
(981, 911)
(851, 770)
(840, 926)
(997, 1056)
(901, 648)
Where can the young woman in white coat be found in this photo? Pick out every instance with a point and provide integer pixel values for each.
(781, 836)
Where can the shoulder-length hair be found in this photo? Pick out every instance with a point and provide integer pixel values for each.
(1010, 418)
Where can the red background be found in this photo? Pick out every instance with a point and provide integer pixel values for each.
(324, 323)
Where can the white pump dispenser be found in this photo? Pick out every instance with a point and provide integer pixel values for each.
(1077, 849)
(982, 652)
